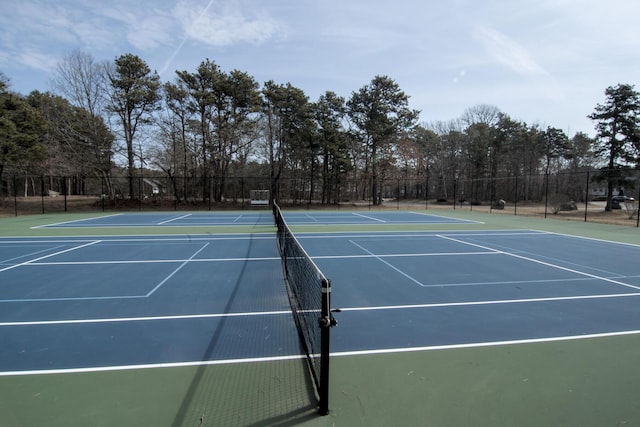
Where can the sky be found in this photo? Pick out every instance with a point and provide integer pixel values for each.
(543, 62)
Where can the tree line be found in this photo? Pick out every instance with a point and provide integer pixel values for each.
(109, 118)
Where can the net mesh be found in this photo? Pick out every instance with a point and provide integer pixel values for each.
(309, 292)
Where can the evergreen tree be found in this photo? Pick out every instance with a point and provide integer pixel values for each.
(134, 97)
(618, 128)
(21, 131)
(380, 111)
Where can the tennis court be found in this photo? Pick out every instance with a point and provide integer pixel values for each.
(255, 218)
(461, 313)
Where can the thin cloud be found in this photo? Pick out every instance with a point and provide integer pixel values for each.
(26, 26)
(89, 34)
(151, 32)
(38, 60)
(219, 24)
(508, 52)
(224, 24)
(145, 29)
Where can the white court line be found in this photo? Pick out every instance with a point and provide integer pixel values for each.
(29, 254)
(485, 344)
(143, 319)
(414, 235)
(333, 354)
(115, 297)
(154, 261)
(635, 245)
(617, 282)
(494, 302)
(174, 219)
(175, 271)
(411, 278)
(50, 255)
(368, 217)
(191, 238)
(427, 254)
(388, 264)
(470, 221)
(506, 282)
(151, 366)
(236, 219)
(266, 235)
(607, 272)
(77, 220)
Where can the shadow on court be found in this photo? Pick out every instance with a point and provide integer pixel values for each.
(274, 393)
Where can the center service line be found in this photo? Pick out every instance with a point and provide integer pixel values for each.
(386, 263)
(175, 271)
(173, 219)
(368, 217)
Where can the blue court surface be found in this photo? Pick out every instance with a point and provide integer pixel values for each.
(78, 303)
(402, 291)
(86, 303)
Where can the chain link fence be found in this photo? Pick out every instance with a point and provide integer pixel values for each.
(575, 196)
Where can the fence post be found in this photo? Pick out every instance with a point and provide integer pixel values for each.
(515, 200)
(42, 192)
(102, 191)
(64, 190)
(455, 189)
(426, 193)
(242, 192)
(15, 195)
(546, 193)
(209, 185)
(586, 199)
(638, 211)
(140, 191)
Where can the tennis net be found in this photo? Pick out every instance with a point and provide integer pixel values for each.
(309, 294)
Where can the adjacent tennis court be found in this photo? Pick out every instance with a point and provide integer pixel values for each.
(456, 314)
(255, 218)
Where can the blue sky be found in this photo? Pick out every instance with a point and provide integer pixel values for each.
(544, 61)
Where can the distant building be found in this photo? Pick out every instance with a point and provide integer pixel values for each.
(151, 187)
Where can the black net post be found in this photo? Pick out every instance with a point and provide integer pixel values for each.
(326, 322)
(309, 294)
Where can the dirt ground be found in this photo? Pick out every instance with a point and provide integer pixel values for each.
(595, 211)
